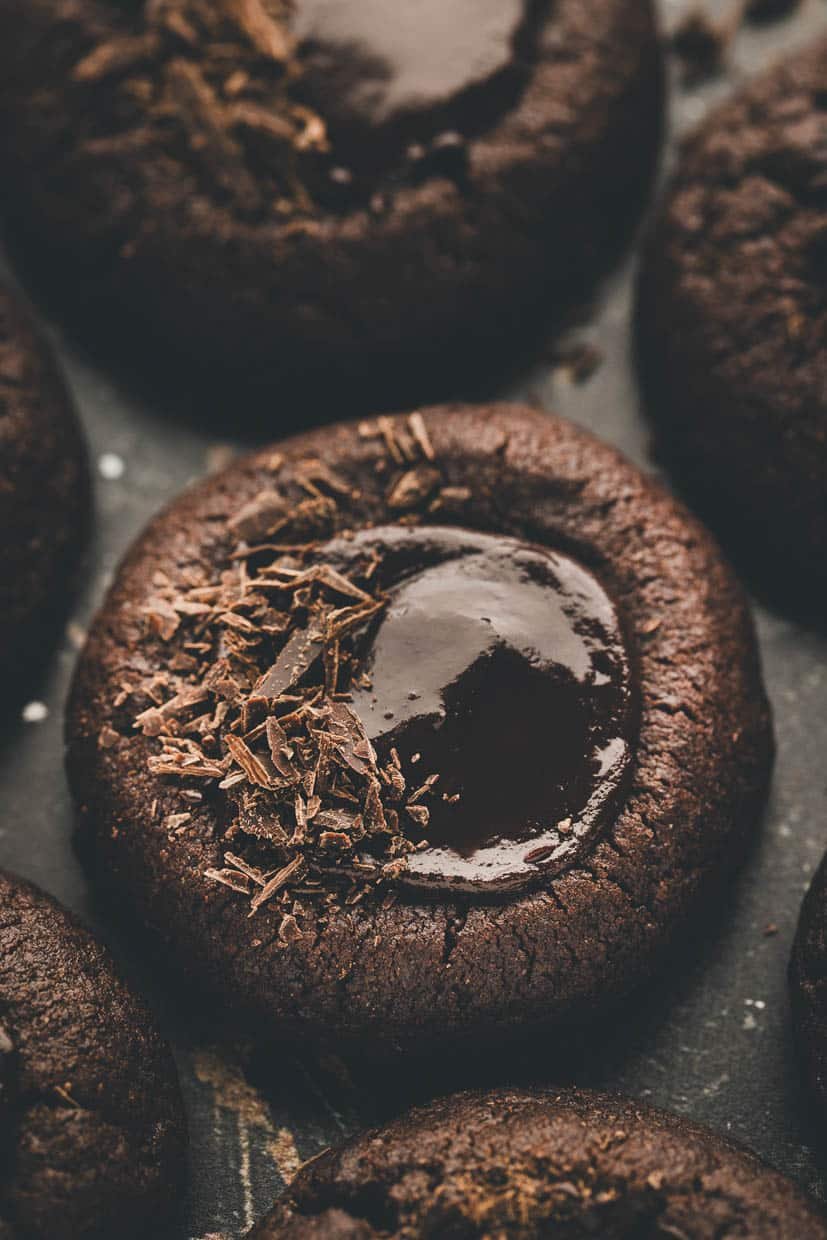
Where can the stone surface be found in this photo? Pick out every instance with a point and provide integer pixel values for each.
(712, 1043)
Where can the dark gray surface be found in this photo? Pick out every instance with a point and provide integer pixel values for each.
(711, 1042)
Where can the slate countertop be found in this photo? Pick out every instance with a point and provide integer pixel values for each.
(712, 1041)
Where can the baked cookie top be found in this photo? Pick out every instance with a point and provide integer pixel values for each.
(435, 723)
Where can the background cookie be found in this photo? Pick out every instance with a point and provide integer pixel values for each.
(43, 486)
(514, 1163)
(731, 324)
(808, 987)
(91, 1126)
(317, 189)
(153, 730)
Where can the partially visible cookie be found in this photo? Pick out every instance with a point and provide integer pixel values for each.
(808, 987)
(327, 186)
(44, 486)
(92, 1130)
(531, 1164)
(733, 325)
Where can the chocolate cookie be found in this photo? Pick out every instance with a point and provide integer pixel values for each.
(91, 1126)
(732, 319)
(43, 486)
(425, 729)
(808, 987)
(530, 1164)
(326, 186)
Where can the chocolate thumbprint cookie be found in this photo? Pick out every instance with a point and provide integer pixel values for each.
(419, 729)
(514, 1163)
(319, 187)
(92, 1130)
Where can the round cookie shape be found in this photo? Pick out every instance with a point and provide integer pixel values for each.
(808, 988)
(229, 791)
(732, 325)
(306, 188)
(43, 485)
(92, 1131)
(540, 1163)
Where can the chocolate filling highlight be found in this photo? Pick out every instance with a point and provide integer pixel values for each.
(386, 73)
(501, 668)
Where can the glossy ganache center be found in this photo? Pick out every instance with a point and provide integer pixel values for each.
(377, 68)
(499, 667)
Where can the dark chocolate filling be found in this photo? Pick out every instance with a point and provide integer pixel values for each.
(500, 667)
(385, 73)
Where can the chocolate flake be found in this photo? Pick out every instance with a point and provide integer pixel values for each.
(289, 931)
(293, 869)
(307, 798)
(108, 737)
(252, 766)
(420, 433)
(210, 140)
(257, 519)
(413, 488)
(267, 36)
(116, 58)
(174, 822)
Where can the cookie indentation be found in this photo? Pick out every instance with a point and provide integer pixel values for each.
(499, 672)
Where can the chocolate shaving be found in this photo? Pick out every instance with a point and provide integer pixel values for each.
(116, 58)
(249, 871)
(162, 618)
(420, 814)
(289, 931)
(173, 822)
(538, 854)
(253, 766)
(413, 488)
(350, 739)
(420, 433)
(260, 517)
(230, 878)
(265, 654)
(303, 649)
(209, 139)
(108, 737)
(293, 869)
(267, 36)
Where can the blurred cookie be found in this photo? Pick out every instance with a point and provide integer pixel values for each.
(43, 487)
(732, 325)
(541, 1163)
(91, 1126)
(327, 186)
